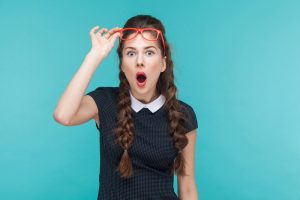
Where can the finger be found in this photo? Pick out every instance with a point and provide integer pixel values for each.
(112, 31)
(114, 36)
(100, 33)
(102, 30)
(93, 30)
(93, 35)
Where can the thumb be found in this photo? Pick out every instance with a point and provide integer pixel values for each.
(114, 36)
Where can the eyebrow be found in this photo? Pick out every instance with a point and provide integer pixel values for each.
(144, 48)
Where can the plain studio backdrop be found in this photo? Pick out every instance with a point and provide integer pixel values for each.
(237, 63)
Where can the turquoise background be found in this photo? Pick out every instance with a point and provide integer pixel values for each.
(237, 63)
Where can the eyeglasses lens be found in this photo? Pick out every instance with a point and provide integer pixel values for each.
(147, 34)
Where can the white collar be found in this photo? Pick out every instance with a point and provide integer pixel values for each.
(153, 106)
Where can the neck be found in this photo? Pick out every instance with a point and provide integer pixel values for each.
(146, 98)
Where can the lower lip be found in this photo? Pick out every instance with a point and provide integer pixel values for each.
(141, 84)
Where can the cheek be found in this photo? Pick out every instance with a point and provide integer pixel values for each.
(154, 75)
(157, 67)
(125, 66)
(128, 71)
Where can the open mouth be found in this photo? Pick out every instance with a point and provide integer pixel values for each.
(141, 78)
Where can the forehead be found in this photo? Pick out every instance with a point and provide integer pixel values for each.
(140, 42)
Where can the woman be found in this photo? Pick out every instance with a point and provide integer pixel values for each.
(146, 133)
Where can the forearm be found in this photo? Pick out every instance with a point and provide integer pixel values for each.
(189, 192)
(72, 96)
(192, 195)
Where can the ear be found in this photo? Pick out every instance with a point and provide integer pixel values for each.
(164, 64)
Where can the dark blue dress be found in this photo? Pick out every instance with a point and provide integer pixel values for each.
(152, 152)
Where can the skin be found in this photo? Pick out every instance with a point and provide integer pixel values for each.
(187, 189)
(74, 108)
(143, 55)
(137, 57)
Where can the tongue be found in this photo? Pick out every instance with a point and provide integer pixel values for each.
(141, 79)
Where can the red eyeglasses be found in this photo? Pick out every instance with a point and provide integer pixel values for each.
(150, 34)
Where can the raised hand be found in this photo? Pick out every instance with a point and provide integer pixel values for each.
(103, 44)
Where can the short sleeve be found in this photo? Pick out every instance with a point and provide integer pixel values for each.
(190, 118)
(98, 96)
(105, 99)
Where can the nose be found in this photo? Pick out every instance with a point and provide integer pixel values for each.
(139, 60)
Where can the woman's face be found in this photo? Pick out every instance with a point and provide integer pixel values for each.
(142, 56)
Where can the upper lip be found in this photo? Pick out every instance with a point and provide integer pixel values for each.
(139, 73)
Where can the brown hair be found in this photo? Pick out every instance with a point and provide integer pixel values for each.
(166, 87)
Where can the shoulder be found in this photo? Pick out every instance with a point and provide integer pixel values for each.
(191, 121)
(107, 89)
(104, 95)
(185, 106)
(104, 91)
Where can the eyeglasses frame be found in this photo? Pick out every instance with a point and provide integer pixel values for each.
(140, 30)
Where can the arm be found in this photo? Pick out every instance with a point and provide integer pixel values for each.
(186, 184)
(71, 101)
(73, 107)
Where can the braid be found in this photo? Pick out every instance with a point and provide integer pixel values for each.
(125, 128)
(164, 86)
(176, 118)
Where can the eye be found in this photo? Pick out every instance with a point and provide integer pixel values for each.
(151, 52)
(129, 53)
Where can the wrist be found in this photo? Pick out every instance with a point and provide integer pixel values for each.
(94, 55)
